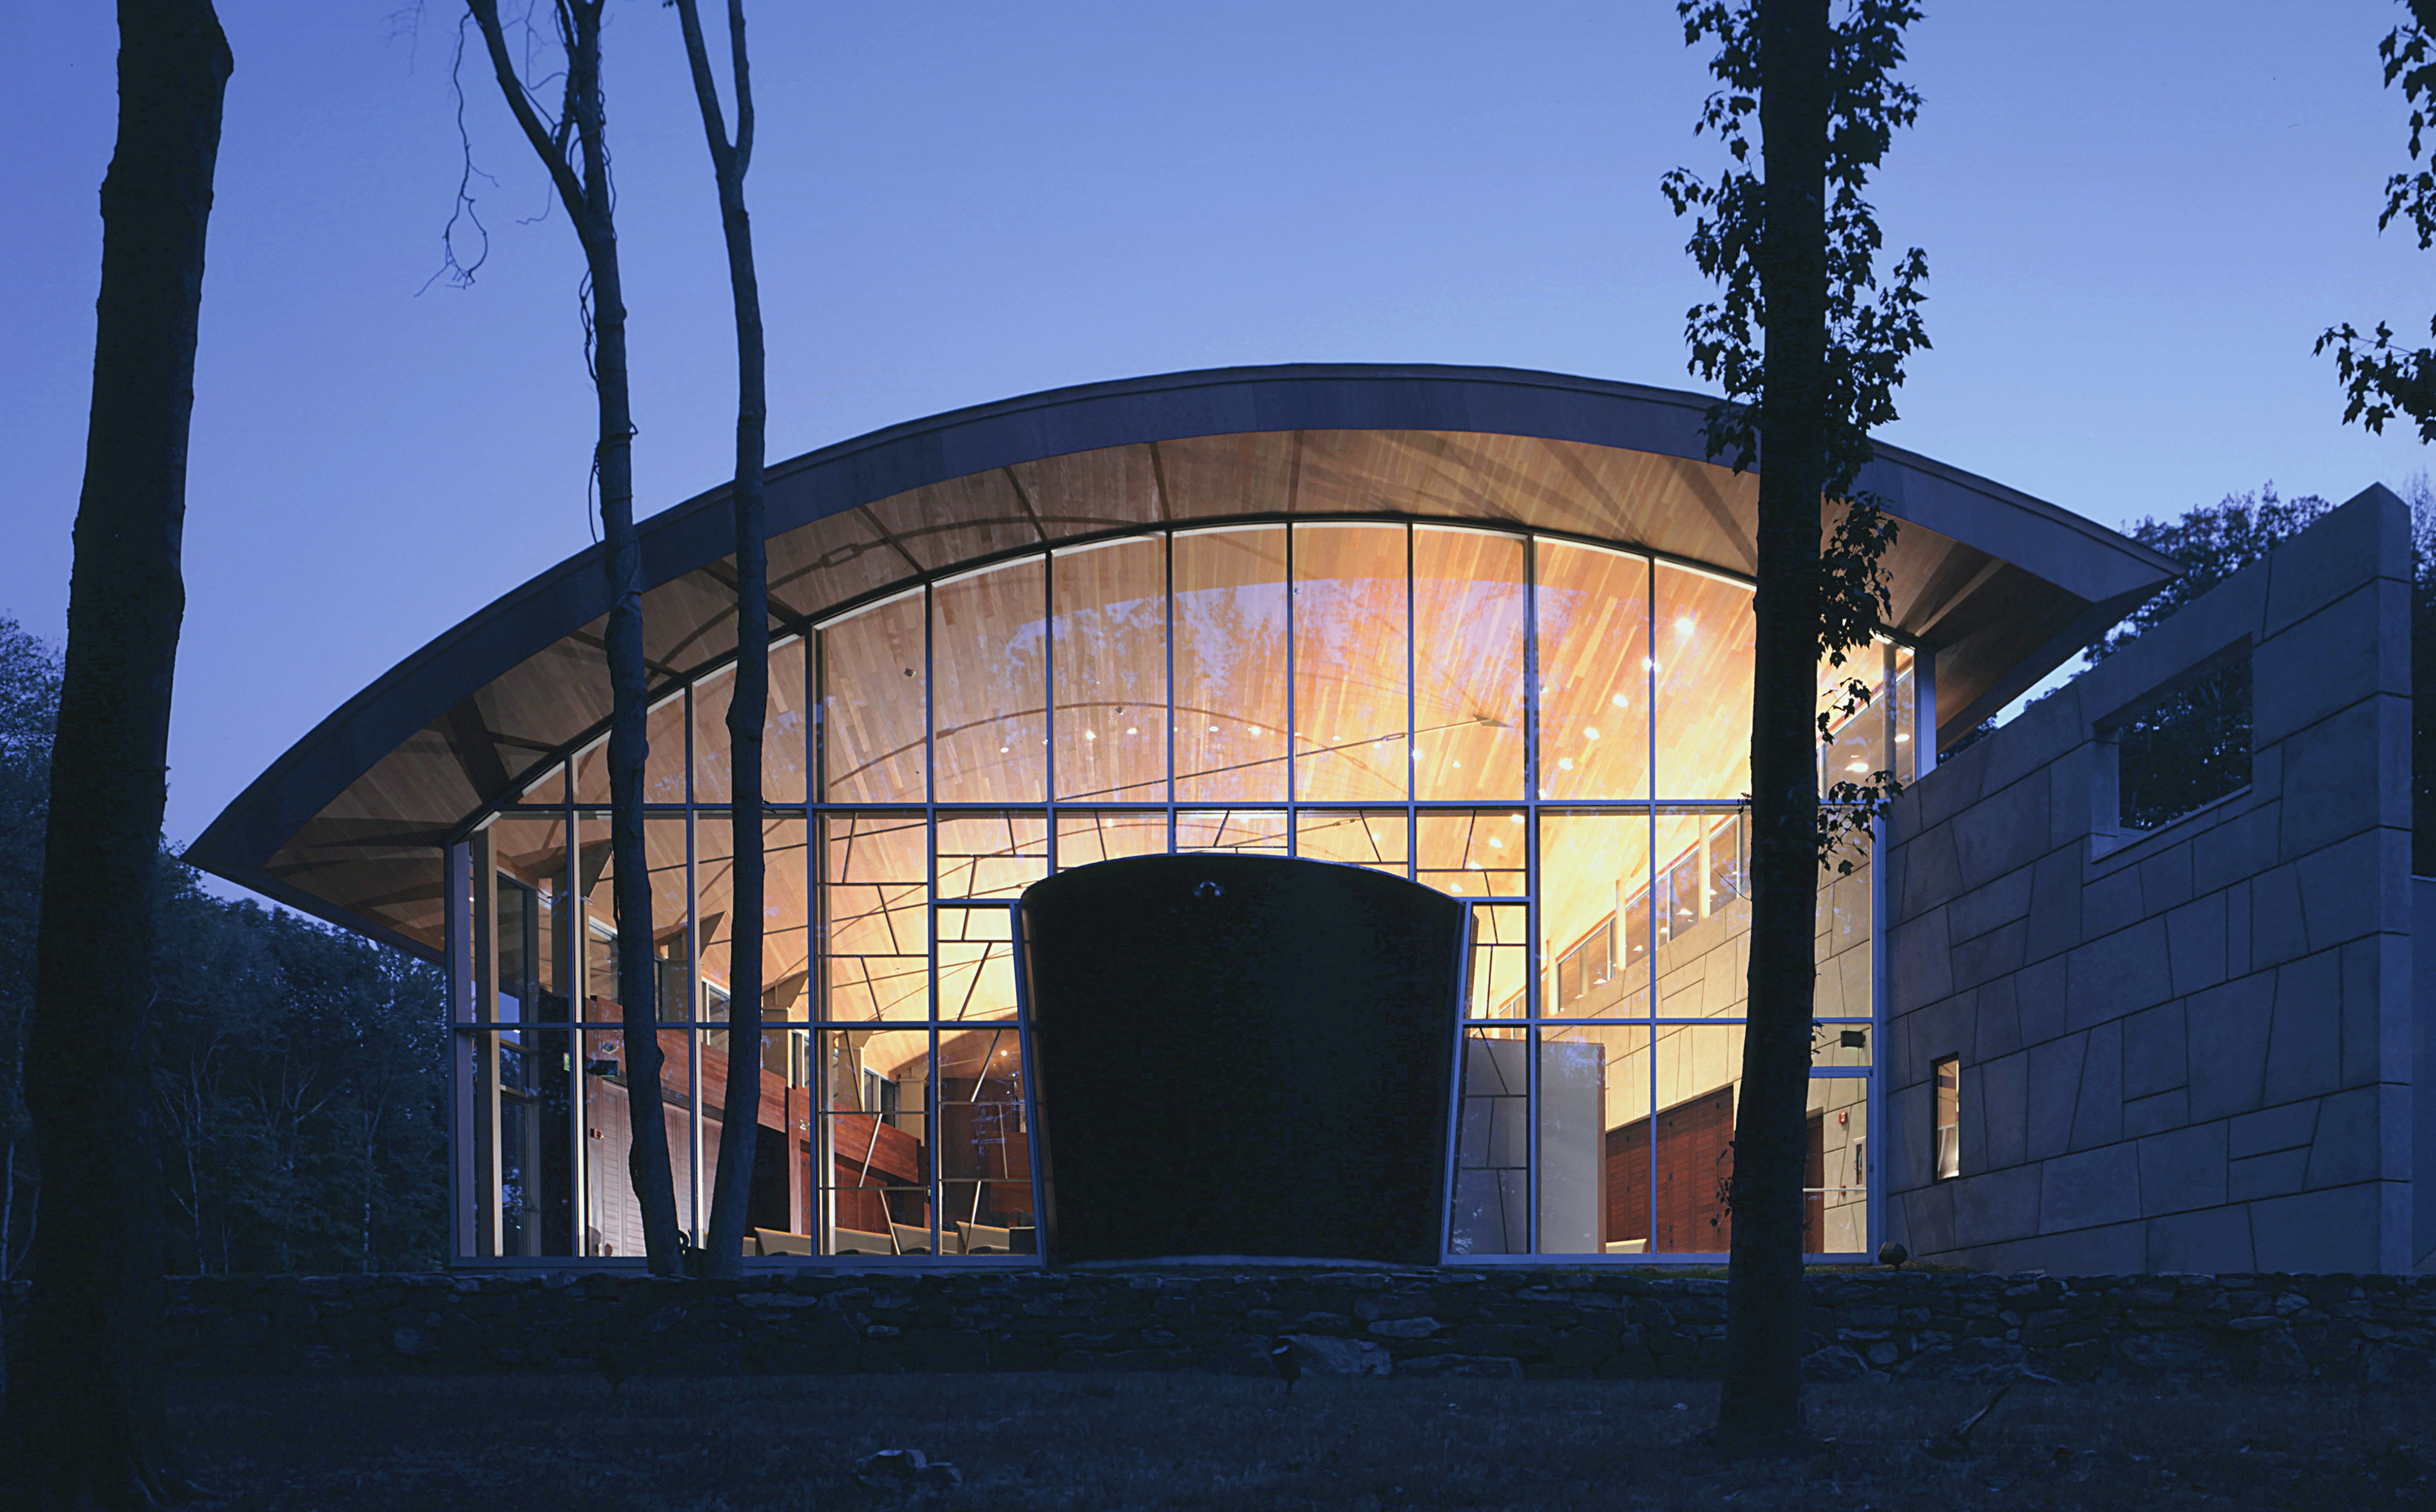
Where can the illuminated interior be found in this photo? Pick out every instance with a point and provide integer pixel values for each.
(1554, 731)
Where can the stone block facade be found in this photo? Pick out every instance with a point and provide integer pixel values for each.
(2190, 1048)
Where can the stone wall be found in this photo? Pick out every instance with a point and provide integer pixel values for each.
(1608, 1323)
(2188, 1049)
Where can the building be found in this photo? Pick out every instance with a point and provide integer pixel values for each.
(1485, 629)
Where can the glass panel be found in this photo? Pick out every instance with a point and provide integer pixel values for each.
(785, 967)
(1704, 634)
(1350, 662)
(531, 858)
(780, 1198)
(1501, 961)
(989, 662)
(875, 916)
(875, 1197)
(1902, 713)
(1860, 744)
(1595, 672)
(664, 764)
(1230, 664)
(991, 855)
(1573, 1154)
(1835, 1214)
(522, 1143)
(871, 704)
(1088, 837)
(1845, 979)
(1111, 670)
(976, 964)
(1597, 918)
(613, 1219)
(1839, 1045)
(1476, 854)
(782, 730)
(1694, 1069)
(1360, 837)
(1469, 609)
(1702, 932)
(984, 1153)
(1948, 1148)
(664, 853)
(1492, 1147)
(548, 786)
(1260, 831)
(1624, 1138)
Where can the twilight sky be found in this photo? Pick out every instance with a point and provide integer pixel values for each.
(2137, 218)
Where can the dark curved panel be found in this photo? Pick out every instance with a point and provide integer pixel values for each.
(1241, 1055)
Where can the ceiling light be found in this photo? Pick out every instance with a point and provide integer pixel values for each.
(1591, 732)
(1619, 702)
(1518, 818)
(1497, 842)
(1686, 625)
(1565, 763)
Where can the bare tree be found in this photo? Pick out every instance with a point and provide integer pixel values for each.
(748, 707)
(86, 1425)
(1809, 350)
(574, 149)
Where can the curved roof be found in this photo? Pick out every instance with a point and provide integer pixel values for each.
(347, 824)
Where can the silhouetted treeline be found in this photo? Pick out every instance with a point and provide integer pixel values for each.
(300, 1070)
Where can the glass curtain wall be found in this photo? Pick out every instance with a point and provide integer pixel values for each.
(1554, 731)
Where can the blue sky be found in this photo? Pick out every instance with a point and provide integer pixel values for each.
(2137, 218)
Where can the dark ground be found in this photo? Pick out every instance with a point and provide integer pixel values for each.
(1031, 1443)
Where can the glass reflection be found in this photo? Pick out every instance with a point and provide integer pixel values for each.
(1349, 651)
(1230, 664)
(1471, 618)
(1595, 672)
(1704, 634)
(872, 694)
(988, 663)
(1111, 670)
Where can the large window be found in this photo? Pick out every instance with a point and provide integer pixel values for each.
(1554, 732)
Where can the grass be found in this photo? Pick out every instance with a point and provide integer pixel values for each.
(1062, 1443)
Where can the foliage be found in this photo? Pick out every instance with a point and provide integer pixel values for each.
(1871, 327)
(299, 1071)
(2381, 379)
(2176, 753)
(2192, 747)
(301, 1074)
(29, 702)
(2212, 542)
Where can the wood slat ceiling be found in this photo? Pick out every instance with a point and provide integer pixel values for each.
(365, 856)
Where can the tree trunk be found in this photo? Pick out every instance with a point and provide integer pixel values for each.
(1761, 1401)
(748, 707)
(86, 1421)
(588, 201)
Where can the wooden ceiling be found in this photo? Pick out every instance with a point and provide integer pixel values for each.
(347, 826)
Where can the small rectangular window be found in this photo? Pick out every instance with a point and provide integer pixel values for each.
(2185, 750)
(1948, 1078)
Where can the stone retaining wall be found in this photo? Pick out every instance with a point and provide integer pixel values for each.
(1510, 1323)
